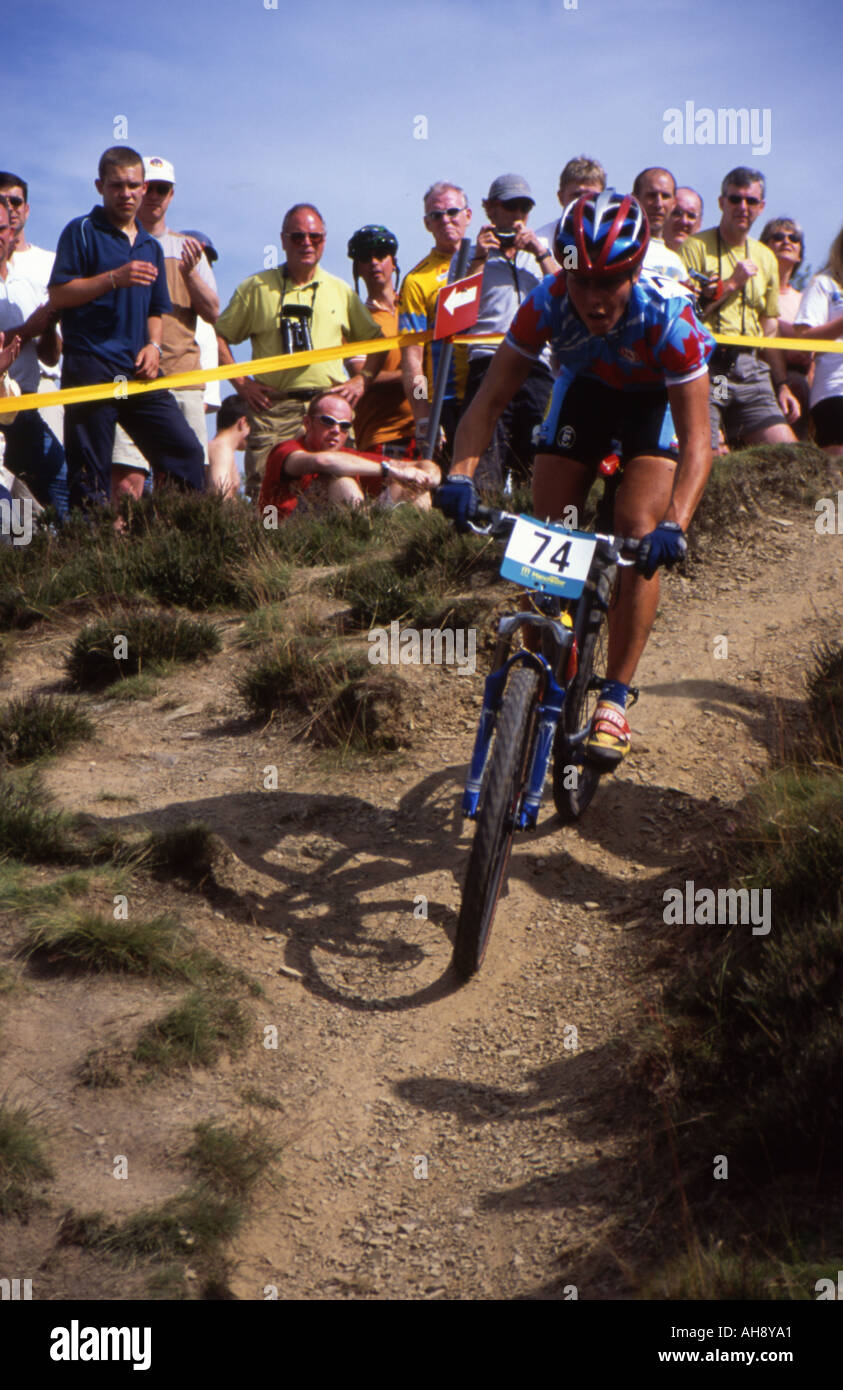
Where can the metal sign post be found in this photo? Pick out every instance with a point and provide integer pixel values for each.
(445, 358)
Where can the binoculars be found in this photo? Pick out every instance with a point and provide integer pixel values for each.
(294, 325)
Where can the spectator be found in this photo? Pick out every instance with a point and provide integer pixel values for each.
(785, 239)
(109, 287)
(232, 433)
(206, 334)
(383, 419)
(34, 264)
(742, 296)
(193, 291)
(264, 306)
(513, 260)
(315, 462)
(446, 217)
(820, 315)
(655, 190)
(684, 218)
(8, 387)
(32, 450)
(580, 175)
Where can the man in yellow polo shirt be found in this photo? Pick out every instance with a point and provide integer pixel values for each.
(267, 309)
(749, 389)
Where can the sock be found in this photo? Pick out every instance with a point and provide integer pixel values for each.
(615, 691)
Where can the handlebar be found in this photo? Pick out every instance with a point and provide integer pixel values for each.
(500, 523)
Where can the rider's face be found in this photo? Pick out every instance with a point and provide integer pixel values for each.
(600, 303)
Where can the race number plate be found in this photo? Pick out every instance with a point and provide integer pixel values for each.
(549, 558)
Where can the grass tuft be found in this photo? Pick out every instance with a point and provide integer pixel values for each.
(128, 642)
(85, 940)
(39, 726)
(22, 1160)
(29, 829)
(195, 1032)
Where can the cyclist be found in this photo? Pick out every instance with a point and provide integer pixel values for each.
(631, 360)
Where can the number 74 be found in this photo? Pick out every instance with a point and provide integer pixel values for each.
(559, 558)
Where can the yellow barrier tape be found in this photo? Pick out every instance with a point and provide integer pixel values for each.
(102, 391)
(105, 390)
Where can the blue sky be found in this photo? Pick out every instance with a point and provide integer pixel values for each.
(259, 107)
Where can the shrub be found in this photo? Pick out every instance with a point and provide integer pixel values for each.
(125, 644)
(39, 725)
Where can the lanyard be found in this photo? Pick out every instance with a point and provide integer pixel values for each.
(720, 278)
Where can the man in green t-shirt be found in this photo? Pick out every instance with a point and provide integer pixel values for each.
(263, 309)
(740, 294)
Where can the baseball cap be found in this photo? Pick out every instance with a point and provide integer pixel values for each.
(507, 186)
(205, 241)
(156, 168)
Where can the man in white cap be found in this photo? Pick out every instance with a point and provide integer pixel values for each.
(513, 258)
(193, 292)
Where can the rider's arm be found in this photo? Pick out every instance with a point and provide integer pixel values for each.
(689, 408)
(508, 371)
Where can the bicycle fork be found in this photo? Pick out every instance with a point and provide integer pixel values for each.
(547, 715)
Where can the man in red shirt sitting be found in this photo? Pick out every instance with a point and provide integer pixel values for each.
(318, 462)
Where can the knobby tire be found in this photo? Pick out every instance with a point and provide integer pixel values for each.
(502, 787)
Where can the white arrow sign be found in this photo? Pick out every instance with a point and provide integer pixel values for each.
(457, 298)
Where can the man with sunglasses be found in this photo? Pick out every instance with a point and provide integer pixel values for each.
(335, 315)
(320, 460)
(35, 438)
(514, 259)
(446, 216)
(749, 389)
(193, 291)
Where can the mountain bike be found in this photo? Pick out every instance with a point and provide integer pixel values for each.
(538, 703)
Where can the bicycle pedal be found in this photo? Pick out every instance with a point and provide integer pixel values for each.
(634, 692)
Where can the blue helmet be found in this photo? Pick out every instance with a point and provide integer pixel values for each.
(602, 234)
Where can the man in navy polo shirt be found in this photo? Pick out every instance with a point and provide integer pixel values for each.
(110, 290)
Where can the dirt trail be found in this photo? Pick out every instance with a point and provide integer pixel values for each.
(439, 1142)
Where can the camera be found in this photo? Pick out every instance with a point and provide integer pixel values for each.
(294, 325)
(505, 239)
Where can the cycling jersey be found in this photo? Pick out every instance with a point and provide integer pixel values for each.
(658, 341)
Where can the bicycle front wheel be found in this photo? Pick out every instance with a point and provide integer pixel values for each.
(575, 782)
(502, 788)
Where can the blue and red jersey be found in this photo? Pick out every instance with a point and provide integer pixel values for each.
(658, 341)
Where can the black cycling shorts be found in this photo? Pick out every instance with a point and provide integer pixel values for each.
(587, 420)
(827, 416)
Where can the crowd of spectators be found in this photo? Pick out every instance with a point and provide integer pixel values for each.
(126, 297)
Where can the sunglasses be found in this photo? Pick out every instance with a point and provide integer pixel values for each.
(329, 422)
(785, 236)
(15, 200)
(517, 204)
(374, 253)
(299, 238)
(735, 198)
(162, 189)
(439, 213)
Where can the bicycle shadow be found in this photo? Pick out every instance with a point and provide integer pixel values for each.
(322, 902)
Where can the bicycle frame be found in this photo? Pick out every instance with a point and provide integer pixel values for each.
(565, 639)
